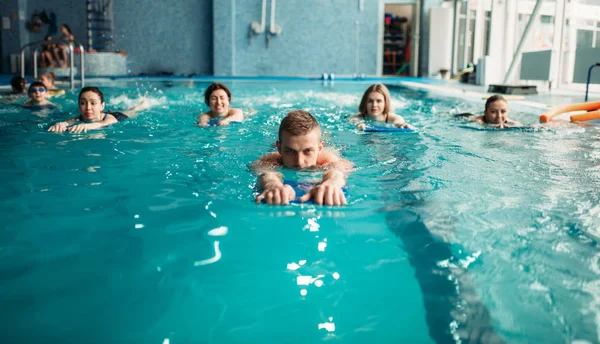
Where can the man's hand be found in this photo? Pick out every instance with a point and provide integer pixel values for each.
(325, 194)
(277, 193)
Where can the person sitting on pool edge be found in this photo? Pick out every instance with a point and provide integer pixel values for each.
(217, 96)
(91, 106)
(495, 113)
(376, 105)
(38, 96)
(299, 146)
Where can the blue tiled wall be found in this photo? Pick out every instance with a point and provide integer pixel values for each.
(161, 36)
(317, 36)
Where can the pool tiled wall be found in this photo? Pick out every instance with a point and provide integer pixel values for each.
(205, 37)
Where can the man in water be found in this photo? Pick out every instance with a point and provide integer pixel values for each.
(300, 147)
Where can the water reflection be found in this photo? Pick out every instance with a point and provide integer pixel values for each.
(315, 274)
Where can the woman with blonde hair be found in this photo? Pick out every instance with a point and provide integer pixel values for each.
(47, 78)
(376, 105)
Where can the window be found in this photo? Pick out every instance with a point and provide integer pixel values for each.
(585, 39)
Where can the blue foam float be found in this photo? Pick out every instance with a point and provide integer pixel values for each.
(484, 128)
(384, 129)
(214, 121)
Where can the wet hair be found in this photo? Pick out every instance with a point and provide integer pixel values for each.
(91, 89)
(68, 28)
(50, 75)
(18, 84)
(36, 84)
(297, 123)
(492, 99)
(379, 88)
(213, 87)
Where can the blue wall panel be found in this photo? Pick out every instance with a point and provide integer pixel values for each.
(317, 36)
(159, 36)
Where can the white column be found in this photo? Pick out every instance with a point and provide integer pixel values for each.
(557, 60)
(479, 29)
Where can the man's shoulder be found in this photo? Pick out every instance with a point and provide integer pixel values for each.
(273, 158)
(327, 157)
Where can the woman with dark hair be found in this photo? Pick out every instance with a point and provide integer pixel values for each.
(92, 115)
(376, 104)
(217, 96)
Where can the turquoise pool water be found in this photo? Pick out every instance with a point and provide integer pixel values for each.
(146, 232)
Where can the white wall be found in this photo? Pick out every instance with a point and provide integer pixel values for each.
(440, 40)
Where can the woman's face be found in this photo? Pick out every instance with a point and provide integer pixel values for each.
(90, 106)
(47, 81)
(219, 102)
(375, 104)
(497, 112)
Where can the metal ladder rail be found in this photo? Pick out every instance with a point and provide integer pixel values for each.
(587, 85)
(38, 44)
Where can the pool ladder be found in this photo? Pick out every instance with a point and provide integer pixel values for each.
(37, 45)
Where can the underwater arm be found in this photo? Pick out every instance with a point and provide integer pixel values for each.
(329, 191)
(83, 127)
(237, 115)
(203, 120)
(270, 182)
(358, 122)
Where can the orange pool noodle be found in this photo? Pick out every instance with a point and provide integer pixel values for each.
(593, 107)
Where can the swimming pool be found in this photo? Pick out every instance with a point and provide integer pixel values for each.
(147, 231)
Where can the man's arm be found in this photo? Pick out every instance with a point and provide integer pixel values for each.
(329, 191)
(270, 182)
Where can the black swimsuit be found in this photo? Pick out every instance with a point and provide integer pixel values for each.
(119, 116)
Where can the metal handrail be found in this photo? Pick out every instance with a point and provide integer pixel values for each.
(38, 44)
(587, 85)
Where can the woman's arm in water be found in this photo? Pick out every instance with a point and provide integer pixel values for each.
(512, 123)
(235, 115)
(399, 121)
(202, 120)
(83, 127)
(62, 126)
(132, 113)
(358, 122)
